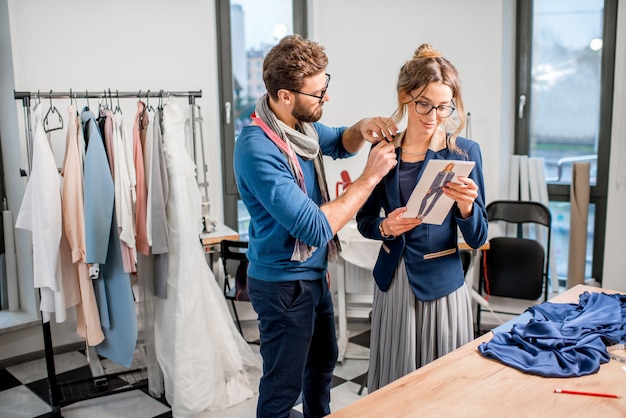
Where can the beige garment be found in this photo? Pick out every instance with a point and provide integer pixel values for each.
(579, 213)
(139, 132)
(88, 318)
(69, 275)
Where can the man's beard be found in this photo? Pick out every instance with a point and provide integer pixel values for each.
(303, 114)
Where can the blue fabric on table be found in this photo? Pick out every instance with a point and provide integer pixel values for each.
(562, 339)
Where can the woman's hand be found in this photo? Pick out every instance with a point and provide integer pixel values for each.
(463, 192)
(394, 224)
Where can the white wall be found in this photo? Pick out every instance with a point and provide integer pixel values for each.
(172, 45)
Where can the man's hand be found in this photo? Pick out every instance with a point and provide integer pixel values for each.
(372, 130)
(381, 159)
(377, 128)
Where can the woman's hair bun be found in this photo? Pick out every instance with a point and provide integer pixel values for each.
(426, 51)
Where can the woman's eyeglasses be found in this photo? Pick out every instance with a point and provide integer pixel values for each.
(424, 108)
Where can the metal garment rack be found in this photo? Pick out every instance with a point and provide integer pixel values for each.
(67, 393)
(27, 96)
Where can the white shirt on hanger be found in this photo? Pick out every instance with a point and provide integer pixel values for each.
(41, 213)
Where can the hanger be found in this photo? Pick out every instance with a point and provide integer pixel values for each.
(87, 98)
(72, 97)
(49, 120)
(117, 97)
(160, 105)
(110, 100)
(149, 107)
(144, 110)
(102, 101)
(139, 97)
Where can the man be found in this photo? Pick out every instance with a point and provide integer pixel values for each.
(280, 175)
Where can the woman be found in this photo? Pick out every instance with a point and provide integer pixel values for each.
(422, 307)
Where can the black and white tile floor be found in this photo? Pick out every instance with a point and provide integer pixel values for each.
(24, 387)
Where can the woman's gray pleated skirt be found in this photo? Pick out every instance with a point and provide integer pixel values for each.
(407, 333)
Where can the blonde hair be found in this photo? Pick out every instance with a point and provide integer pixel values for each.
(428, 66)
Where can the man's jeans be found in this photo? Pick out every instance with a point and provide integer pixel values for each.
(298, 345)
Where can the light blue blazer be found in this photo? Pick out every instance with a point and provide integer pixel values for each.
(99, 191)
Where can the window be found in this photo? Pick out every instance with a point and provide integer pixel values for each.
(565, 71)
(247, 29)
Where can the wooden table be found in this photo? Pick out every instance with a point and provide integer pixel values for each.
(221, 233)
(463, 383)
(211, 242)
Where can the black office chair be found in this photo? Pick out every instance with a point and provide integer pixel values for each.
(235, 264)
(516, 267)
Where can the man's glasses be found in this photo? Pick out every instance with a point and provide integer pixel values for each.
(424, 108)
(323, 92)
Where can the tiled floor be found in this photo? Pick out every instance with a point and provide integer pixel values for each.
(24, 387)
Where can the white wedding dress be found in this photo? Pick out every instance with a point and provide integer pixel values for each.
(206, 363)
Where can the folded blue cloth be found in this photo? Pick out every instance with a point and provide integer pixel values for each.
(562, 339)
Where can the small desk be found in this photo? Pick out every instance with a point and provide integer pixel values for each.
(463, 383)
(211, 241)
(221, 233)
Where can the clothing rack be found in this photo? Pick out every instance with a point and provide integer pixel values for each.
(27, 96)
(71, 392)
